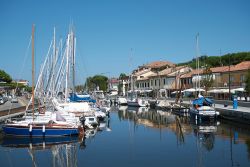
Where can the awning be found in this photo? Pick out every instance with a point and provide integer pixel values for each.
(238, 90)
(194, 90)
(226, 90)
(174, 92)
(214, 91)
(145, 91)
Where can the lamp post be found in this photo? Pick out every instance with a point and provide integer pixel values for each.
(229, 79)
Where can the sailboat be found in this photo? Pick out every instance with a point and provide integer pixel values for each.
(201, 107)
(133, 99)
(50, 125)
(82, 106)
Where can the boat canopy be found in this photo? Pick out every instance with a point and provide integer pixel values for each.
(78, 98)
(203, 101)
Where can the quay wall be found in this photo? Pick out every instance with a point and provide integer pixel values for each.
(242, 114)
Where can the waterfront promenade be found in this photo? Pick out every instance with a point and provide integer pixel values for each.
(241, 114)
(9, 110)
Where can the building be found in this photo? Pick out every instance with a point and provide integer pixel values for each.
(163, 78)
(142, 77)
(237, 74)
(23, 82)
(113, 84)
(124, 82)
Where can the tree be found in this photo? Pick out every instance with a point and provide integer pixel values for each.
(5, 77)
(122, 76)
(207, 79)
(79, 88)
(101, 81)
(96, 81)
(247, 81)
(88, 84)
(216, 61)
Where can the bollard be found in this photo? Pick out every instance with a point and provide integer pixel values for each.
(235, 103)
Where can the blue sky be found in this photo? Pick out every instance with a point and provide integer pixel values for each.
(106, 30)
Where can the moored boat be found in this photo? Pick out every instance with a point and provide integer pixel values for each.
(36, 129)
(41, 125)
(203, 108)
(137, 102)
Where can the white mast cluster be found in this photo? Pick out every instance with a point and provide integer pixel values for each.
(57, 73)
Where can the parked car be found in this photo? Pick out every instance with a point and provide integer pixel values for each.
(14, 100)
(1, 100)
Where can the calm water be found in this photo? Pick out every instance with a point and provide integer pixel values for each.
(137, 137)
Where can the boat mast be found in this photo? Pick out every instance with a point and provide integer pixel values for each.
(33, 71)
(53, 63)
(198, 64)
(73, 61)
(67, 69)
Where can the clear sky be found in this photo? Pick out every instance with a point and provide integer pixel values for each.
(106, 30)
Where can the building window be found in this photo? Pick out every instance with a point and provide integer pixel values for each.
(159, 82)
(164, 81)
(151, 82)
(231, 79)
(155, 82)
(242, 78)
(148, 84)
(145, 84)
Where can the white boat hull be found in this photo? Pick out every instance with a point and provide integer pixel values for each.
(138, 103)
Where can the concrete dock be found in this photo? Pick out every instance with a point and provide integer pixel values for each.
(241, 114)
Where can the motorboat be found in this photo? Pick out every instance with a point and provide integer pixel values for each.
(137, 102)
(90, 122)
(122, 101)
(203, 108)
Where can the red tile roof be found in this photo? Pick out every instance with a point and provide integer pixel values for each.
(166, 71)
(159, 64)
(188, 75)
(219, 69)
(245, 65)
(141, 72)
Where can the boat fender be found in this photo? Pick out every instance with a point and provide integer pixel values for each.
(43, 145)
(30, 129)
(43, 128)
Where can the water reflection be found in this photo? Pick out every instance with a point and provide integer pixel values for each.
(166, 138)
(146, 116)
(36, 143)
(63, 149)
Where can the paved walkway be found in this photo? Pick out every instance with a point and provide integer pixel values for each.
(230, 108)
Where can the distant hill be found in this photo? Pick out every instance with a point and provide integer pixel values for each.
(217, 61)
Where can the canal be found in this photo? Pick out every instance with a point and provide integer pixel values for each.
(137, 137)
